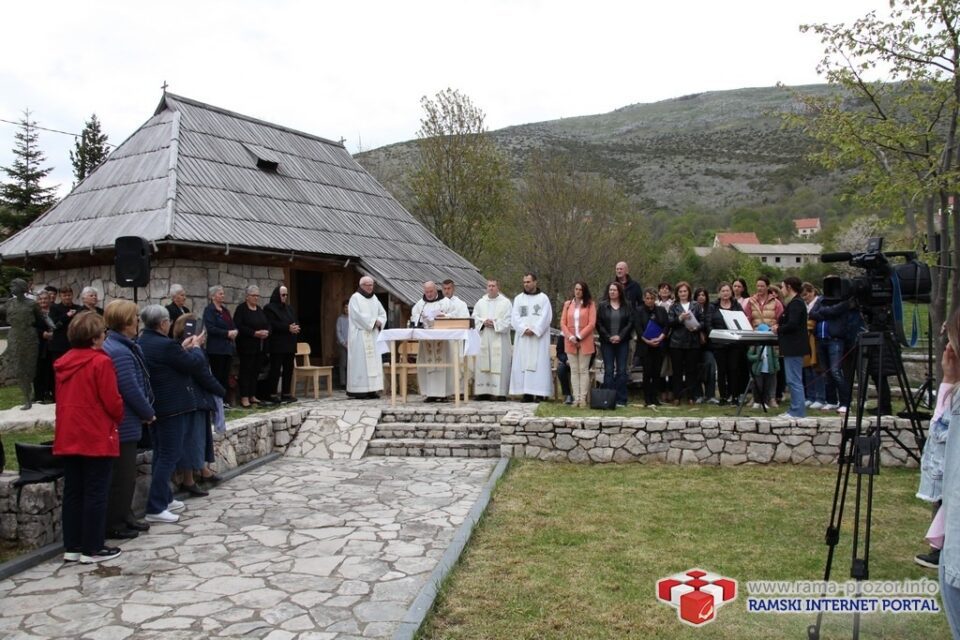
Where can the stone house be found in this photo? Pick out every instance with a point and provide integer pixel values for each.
(227, 199)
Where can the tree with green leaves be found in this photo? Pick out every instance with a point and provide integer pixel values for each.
(460, 186)
(89, 150)
(899, 135)
(570, 226)
(22, 197)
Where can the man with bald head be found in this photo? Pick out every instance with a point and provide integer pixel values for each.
(431, 377)
(367, 318)
(632, 291)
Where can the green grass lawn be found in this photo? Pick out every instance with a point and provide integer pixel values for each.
(10, 397)
(574, 551)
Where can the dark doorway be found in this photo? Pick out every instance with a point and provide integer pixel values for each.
(309, 306)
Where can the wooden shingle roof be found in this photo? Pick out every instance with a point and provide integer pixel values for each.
(200, 174)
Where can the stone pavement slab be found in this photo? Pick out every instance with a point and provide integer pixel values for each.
(297, 549)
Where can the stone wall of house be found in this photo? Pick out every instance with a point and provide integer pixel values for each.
(715, 441)
(31, 516)
(195, 276)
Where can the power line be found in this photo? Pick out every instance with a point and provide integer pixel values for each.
(66, 133)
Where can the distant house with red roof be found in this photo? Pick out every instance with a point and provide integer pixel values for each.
(728, 238)
(807, 227)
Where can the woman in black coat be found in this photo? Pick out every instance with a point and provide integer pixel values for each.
(254, 329)
(652, 326)
(685, 342)
(731, 373)
(282, 343)
(615, 325)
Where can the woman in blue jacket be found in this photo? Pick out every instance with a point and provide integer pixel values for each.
(221, 335)
(133, 382)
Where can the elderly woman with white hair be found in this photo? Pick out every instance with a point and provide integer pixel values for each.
(89, 298)
(254, 329)
(178, 303)
(171, 366)
(221, 334)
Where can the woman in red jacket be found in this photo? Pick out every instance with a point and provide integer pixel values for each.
(89, 408)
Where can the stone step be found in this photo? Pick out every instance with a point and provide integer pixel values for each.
(439, 430)
(445, 414)
(433, 447)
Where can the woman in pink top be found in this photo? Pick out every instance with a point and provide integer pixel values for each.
(577, 322)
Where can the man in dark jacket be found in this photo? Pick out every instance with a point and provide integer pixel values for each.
(794, 343)
(61, 314)
(282, 343)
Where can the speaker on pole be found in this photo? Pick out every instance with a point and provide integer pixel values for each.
(132, 261)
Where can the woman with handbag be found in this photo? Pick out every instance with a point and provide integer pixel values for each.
(577, 322)
(615, 324)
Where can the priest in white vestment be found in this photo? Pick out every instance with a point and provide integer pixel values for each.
(458, 309)
(492, 318)
(530, 375)
(432, 378)
(367, 318)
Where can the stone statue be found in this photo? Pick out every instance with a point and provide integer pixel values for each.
(22, 341)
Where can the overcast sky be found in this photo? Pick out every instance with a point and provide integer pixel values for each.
(357, 69)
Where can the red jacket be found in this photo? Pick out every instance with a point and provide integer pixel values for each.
(89, 406)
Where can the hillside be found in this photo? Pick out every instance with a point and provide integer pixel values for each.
(711, 150)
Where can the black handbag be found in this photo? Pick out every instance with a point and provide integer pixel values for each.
(603, 399)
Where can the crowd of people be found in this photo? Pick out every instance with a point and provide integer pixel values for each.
(665, 331)
(125, 378)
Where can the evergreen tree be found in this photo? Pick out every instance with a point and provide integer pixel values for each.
(22, 198)
(90, 149)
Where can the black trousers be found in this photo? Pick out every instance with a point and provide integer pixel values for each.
(85, 487)
(685, 368)
(281, 366)
(729, 369)
(652, 361)
(563, 375)
(43, 380)
(220, 368)
(122, 486)
(250, 364)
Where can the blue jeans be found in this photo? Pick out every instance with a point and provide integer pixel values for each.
(615, 368)
(793, 371)
(815, 385)
(950, 597)
(831, 355)
(167, 434)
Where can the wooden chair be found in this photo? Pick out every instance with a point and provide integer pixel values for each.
(303, 370)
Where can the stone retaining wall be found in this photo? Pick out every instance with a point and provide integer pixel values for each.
(32, 518)
(716, 441)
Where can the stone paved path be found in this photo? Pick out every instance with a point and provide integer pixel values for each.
(299, 548)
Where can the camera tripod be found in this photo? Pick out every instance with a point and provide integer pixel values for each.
(860, 454)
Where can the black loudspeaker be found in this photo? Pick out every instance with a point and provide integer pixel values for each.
(132, 261)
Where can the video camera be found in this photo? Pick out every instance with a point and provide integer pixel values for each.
(876, 287)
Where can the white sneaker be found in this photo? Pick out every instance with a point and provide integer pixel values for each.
(71, 556)
(841, 410)
(816, 404)
(808, 403)
(829, 407)
(756, 405)
(787, 415)
(163, 516)
(107, 553)
(175, 506)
